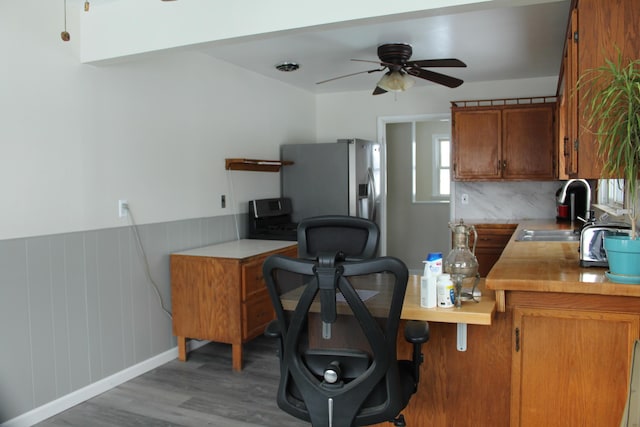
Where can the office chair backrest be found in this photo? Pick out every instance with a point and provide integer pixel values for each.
(356, 237)
(338, 324)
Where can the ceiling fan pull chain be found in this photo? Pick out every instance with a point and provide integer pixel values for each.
(65, 36)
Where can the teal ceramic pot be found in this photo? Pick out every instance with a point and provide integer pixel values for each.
(623, 255)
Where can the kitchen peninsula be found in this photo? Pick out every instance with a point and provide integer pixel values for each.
(571, 336)
(557, 351)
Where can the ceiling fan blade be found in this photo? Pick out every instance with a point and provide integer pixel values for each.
(435, 77)
(445, 62)
(378, 91)
(365, 60)
(382, 63)
(349, 75)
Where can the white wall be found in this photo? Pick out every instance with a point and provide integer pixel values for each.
(155, 130)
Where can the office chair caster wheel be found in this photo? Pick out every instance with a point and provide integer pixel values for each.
(399, 422)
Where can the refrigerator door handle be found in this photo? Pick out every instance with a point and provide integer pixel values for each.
(372, 196)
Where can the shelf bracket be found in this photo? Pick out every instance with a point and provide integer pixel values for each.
(461, 341)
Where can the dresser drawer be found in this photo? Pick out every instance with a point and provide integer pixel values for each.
(256, 314)
(252, 279)
(492, 236)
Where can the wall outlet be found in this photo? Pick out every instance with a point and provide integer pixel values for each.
(223, 201)
(464, 199)
(123, 208)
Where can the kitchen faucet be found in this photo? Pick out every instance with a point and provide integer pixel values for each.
(563, 195)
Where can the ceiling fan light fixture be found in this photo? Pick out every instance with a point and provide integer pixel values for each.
(395, 81)
(287, 67)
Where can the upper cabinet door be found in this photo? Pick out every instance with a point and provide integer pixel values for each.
(477, 144)
(505, 142)
(528, 142)
(598, 30)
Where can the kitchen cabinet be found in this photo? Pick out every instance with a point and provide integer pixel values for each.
(570, 365)
(505, 140)
(585, 49)
(492, 239)
(567, 105)
(218, 293)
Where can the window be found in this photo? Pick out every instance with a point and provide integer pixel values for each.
(441, 166)
(611, 192)
(431, 152)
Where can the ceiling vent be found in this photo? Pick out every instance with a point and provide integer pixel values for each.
(288, 67)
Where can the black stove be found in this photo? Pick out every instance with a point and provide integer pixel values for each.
(270, 219)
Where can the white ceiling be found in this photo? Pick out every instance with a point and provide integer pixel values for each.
(499, 43)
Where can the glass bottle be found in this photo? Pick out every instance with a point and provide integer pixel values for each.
(461, 262)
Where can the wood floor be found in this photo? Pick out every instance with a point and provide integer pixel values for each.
(200, 392)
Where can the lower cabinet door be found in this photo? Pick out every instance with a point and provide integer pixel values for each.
(570, 367)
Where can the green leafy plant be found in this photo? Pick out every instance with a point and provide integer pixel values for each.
(611, 96)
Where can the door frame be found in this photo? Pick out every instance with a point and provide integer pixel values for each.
(382, 140)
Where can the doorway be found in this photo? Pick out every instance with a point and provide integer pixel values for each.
(417, 205)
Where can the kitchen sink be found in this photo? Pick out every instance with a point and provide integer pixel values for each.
(532, 235)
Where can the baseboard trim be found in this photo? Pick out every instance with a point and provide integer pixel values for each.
(72, 399)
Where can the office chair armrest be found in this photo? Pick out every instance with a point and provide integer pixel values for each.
(273, 330)
(416, 332)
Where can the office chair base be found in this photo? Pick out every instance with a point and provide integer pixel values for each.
(399, 421)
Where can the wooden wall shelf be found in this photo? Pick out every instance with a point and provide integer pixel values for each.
(255, 165)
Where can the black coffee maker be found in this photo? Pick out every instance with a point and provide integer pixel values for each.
(574, 204)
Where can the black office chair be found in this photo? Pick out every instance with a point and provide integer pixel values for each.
(337, 323)
(357, 238)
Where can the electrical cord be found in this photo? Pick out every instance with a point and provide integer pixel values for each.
(233, 201)
(147, 270)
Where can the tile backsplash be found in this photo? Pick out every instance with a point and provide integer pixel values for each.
(506, 200)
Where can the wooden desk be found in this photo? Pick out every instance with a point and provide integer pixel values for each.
(471, 313)
(218, 293)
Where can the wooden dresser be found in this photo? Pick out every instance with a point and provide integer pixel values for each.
(218, 293)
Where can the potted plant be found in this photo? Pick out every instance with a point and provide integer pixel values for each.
(612, 110)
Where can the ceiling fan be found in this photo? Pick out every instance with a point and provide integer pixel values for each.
(395, 57)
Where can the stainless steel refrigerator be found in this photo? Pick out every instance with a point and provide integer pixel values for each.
(336, 178)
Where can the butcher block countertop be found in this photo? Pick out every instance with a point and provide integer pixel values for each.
(473, 313)
(549, 267)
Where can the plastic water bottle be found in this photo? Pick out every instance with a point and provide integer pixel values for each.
(428, 282)
(446, 296)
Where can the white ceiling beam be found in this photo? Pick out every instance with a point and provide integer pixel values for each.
(119, 28)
